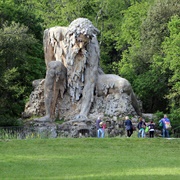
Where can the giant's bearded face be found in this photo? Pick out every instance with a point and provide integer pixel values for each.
(82, 41)
(76, 65)
(78, 48)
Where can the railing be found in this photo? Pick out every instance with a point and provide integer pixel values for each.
(12, 132)
(21, 132)
(17, 132)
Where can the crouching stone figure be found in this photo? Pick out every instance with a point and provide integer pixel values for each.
(74, 83)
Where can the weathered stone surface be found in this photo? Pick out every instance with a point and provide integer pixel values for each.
(72, 128)
(35, 105)
(75, 87)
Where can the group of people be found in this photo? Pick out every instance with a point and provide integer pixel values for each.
(141, 126)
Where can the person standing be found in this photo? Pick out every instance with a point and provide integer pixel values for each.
(128, 126)
(104, 127)
(166, 125)
(99, 127)
(141, 127)
(151, 129)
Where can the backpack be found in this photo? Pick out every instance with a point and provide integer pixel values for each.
(161, 124)
(146, 129)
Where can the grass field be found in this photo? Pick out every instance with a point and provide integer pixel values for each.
(90, 158)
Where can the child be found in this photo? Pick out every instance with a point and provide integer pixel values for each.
(151, 129)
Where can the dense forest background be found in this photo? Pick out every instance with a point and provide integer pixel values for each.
(139, 40)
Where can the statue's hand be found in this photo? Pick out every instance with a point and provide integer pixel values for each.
(80, 117)
(44, 119)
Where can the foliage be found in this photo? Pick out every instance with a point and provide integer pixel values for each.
(130, 41)
(174, 117)
(143, 60)
(20, 58)
(154, 32)
(14, 10)
(59, 121)
(7, 120)
(158, 115)
(109, 19)
(150, 89)
(171, 51)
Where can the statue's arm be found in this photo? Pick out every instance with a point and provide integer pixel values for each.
(55, 82)
(90, 78)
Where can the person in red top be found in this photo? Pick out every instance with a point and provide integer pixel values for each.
(99, 127)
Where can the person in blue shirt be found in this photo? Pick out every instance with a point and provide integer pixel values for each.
(166, 125)
(128, 125)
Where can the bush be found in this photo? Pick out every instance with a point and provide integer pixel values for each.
(6, 120)
(175, 117)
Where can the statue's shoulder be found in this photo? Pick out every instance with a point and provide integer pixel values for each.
(58, 31)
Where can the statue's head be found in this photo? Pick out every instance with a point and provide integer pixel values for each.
(82, 26)
(78, 36)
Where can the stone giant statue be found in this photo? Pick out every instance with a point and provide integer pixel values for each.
(75, 86)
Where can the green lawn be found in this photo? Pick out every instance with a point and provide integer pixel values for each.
(90, 158)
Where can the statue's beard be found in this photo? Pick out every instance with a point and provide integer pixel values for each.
(76, 70)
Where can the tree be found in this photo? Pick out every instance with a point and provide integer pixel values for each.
(154, 33)
(129, 41)
(21, 57)
(171, 51)
(11, 11)
(142, 61)
(14, 44)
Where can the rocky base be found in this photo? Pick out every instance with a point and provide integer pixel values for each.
(81, 127)
(74, 128)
